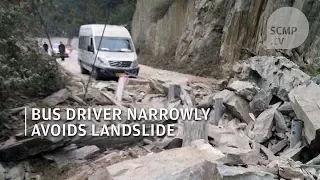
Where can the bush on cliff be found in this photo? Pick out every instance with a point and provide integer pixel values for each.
(25, 72)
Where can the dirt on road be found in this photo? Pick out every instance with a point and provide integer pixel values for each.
(146, 72)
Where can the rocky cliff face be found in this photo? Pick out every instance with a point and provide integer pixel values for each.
(205, 37)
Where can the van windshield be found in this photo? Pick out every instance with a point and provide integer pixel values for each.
(113, 44)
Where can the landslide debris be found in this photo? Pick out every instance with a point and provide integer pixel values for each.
(246, 143)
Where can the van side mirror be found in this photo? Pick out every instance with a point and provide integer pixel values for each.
(90, 49)
(138, 51)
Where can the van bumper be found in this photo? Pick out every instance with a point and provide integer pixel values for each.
(111, 72)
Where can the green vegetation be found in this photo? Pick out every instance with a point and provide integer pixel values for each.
(25, 72)
(65, 17)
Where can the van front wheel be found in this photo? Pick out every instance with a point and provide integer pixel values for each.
(82, 69)
(95, 74)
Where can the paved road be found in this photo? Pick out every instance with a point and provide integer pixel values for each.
(146, 72)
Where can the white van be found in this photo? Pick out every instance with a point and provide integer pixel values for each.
(117, 54)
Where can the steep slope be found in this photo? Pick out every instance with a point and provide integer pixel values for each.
(205, 37)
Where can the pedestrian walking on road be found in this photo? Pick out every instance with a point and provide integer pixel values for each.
(45, 47)
(62, 50)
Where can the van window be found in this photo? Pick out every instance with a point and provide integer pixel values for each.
(113, 44)
(84, 42)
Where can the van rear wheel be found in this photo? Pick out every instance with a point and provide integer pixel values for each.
(82, 69)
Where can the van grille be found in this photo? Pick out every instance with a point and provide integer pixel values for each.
(120, 63)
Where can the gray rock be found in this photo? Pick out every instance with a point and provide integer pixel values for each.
(292, 153)
(261, 101)
(238, 173)
(245, 89)
(237, 156)
(225, 95)
(279, 146)
(164, 165)
(229, 138)
(286, 108)
(316, 79)
(203, 171)
(109, 157)
(68, 155)
(85, 152)
(237, 67)
(264, 123)
(288, 172)
(239, 108)
(280, 123)
(17, 172)
(29, 147)
(101, 174)
(306, 104)
(276, 74)
(236, 105)
(268, 153)
(2, 172)
(56, 98)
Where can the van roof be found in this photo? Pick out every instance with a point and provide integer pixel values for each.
(111, 30)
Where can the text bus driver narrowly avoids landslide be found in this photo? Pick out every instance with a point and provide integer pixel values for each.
(115, 114)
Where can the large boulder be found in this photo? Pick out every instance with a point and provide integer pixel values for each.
(238, 106)
(199, 162)
(305, 101)
(167, 164)
(276, 74)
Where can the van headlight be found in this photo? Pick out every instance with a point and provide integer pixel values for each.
(101, 63)
(135, 63)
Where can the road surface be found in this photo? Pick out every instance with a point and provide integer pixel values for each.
(146, 72)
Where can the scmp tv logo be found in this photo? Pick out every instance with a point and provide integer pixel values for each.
(287, 28)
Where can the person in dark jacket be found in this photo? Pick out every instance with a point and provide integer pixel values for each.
(45, 47)
(62, 50)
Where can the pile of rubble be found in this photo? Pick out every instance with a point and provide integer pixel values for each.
(263, 125)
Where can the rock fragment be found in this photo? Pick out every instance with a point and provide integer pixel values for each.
(70, 154)
(203, 171)
(109, 157)
(243, 88)
(261, 101)
(280, 122)
(263, 124)
(236, 105)
(286, 108)
(229, 138)
(2, 172)
(56, 98)
(288, 172)
(238, 156)
(279, 146)
(17, 172)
